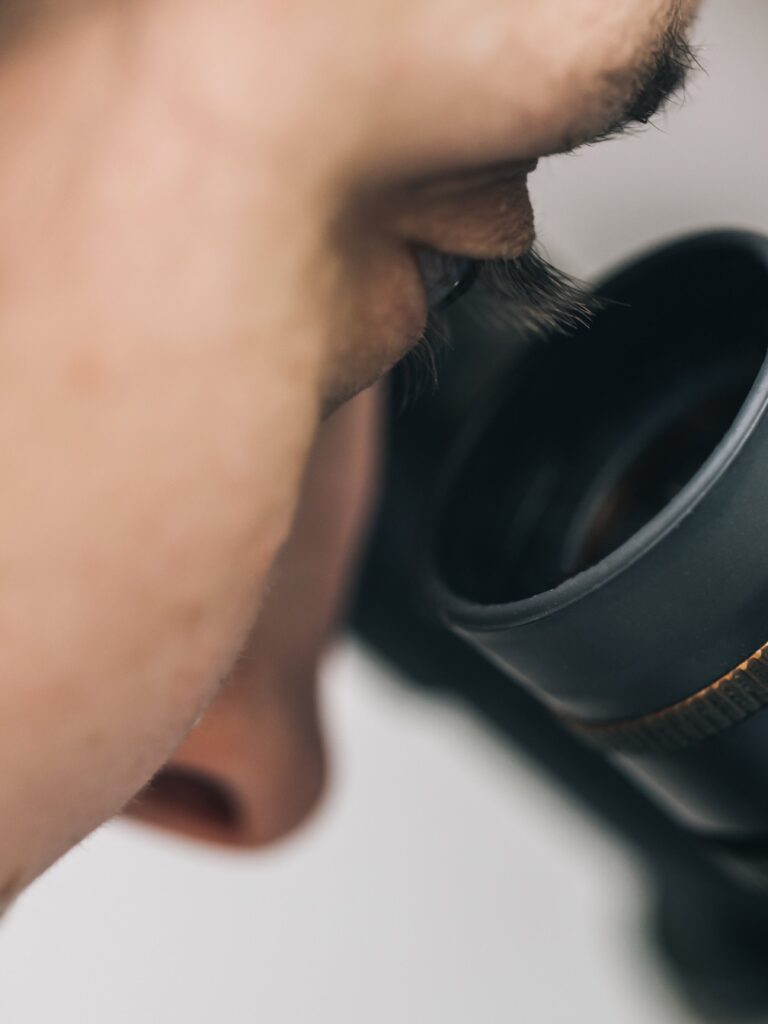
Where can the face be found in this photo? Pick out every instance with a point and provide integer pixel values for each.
(419, 126)
(445, 110)
(226, 206)
(395, 125)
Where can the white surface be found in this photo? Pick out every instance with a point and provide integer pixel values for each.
(445, 882)
(703, 166)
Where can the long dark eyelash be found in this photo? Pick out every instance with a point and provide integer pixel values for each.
(419, 370)
(522, 298)
(532, 297)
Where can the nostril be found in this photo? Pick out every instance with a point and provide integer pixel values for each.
(238, 801)
(185, 796)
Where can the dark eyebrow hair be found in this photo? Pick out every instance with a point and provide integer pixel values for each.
(661, 78)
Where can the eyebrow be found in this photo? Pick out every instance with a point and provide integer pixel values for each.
(649, 90)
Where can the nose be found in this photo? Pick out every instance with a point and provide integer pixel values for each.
(252, 770)
(255, 767)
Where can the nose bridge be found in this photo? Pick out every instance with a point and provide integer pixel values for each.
(254, 767)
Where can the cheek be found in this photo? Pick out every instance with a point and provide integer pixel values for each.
(379, 313)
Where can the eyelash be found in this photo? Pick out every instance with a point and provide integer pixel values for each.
(418, 372)
(523, 298)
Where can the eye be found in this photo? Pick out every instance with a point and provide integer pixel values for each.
(445, 277)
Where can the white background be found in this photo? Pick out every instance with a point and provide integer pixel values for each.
(444, 881)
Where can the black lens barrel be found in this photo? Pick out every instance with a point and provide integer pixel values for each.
(602, 531)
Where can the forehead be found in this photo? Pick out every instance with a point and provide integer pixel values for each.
(497, 80)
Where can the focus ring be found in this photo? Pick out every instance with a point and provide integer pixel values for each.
(709, 712)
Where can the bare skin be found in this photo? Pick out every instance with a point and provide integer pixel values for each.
(207, 214)
(260, 743)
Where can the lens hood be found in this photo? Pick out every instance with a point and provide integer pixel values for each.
(601, 531)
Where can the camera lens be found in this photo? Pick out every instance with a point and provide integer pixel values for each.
(649, 471)
(602, 528)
